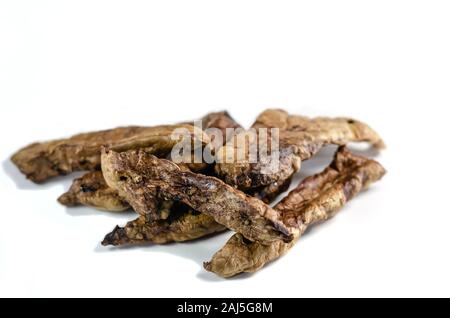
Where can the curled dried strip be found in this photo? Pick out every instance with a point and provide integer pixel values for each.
(216, 124)
(176, 223)
(325, 130)
(91, 190)
(299, 139)
(140, 177)
(268, 182)
(222, 121)
(42, 161)
(316, 199)
(179, 228)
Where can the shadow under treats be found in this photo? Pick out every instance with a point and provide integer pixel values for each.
(23, 183)
(19, 179)
(81, 210)
(198, 251)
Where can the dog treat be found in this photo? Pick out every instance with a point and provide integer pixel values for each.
(299, 139)
(219, 122)
(188, 181)
(268, 185)
(91, 190)
(140, 177)
(42, 161)
(316, 199)
(222, 121)
(179, 227)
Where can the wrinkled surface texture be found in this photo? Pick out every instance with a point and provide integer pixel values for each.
(222, 121)
(140, 177)
(300, 139)
(218, 122)
(91, 190)
(180, 228)
(42, 161)
(185, 201)
(180, 225)
(177, 222)
(316, 199)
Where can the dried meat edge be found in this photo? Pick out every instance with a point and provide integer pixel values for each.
(316, 199)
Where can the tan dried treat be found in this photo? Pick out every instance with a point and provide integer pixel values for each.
(140, 177)
(41, 161)
(92, 190)
(299, 139)
(179, 227)
(316, 199)
(324, 130)
(222, 121)
(213, 123)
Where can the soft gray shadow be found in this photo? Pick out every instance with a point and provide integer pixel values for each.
(317, 163)
(322, 160)
(203, 249)
(213, 278)
(325, 156)
(310, 232)
(309, 167)
(89, 211)
(198, 251)
(23, 183)
(363, 149)
(99, 248)
(19, 179)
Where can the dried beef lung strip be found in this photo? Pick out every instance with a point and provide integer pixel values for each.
(42, 161)
(220, 120)
(140, 177)
(177, 223)
(316, 199)
(177, 228)
(300, 139)
(91, 190)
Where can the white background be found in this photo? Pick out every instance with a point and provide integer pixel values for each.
(71, 66)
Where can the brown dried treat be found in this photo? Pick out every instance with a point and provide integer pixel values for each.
(316, 199)
(219, 122)
(267, 184)
(299, 139)
(179, 227)
(41, 161)
(92, 190)
(325, 130)
(140, 177)
(222, 121)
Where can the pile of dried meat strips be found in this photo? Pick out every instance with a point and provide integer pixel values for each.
(132, 168)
